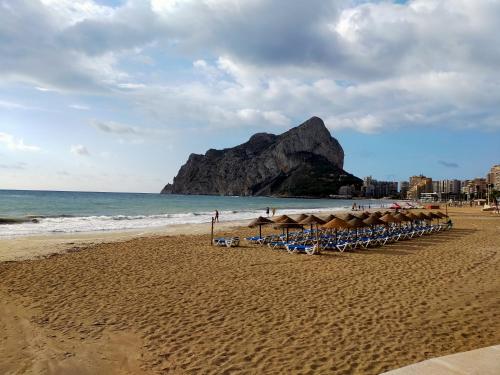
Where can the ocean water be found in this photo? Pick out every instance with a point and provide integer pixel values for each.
(70, 212)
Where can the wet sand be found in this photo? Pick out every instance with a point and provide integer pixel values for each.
(173, 304)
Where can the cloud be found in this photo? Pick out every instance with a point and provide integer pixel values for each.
(18, 166)
(79, 107)
(115, 128)
(79, 150)
(16, 144)
(13, 105)
(448, 164)
(367, 66)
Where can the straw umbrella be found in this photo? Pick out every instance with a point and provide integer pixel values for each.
(336, 224)
(329, 218)
(301, 217)
(372, 221)
(363, 215)
(434, 215)
(378, 213)
(357, 223)
(442, 214)
(313, 220)
(389, 218)
(347, 216)
(279, 219)
(287, 224)
(411, 216)
(423, 216)
(260, 221)
(402, 217)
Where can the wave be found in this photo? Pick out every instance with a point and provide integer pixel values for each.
(36, 224)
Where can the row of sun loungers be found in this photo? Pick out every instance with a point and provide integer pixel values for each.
(313, 242)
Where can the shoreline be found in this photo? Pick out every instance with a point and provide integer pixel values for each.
(31, 247)
(41, 245)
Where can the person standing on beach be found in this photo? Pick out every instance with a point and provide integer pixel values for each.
(267, 211)
(216, 216)
(274, 211)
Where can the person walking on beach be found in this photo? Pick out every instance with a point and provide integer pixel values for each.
(216, 216)
(267, 211)
(274, 211)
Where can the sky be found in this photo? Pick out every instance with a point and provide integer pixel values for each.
(114, 95)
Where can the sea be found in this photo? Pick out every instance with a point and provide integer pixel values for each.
(29, 212)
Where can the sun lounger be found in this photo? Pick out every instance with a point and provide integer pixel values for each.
(228, 242)
(308, 249)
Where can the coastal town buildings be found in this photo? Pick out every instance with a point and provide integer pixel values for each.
(403, 188)
(475, 189)
(447, 189)
(424, 188)
(373, 188)
(418, 186)
(493, 177)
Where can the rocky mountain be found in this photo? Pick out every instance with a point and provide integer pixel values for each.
(304, 161)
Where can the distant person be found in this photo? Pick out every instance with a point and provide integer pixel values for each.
(267, 211)
(216, 216)
(274, 211)
(449, 223)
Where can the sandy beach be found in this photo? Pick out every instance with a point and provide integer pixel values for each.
(169, 303)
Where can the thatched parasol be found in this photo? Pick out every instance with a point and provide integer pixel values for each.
(423, 216)
(373, 220)
(329, 218)
(336, 224)
(313, 220)
(346, 216)
(357, 223)
(389, 218)
(279, 219)
(435, 215)
(443, 215)
(378, 213)
(412, 216)
(301, 217)
(362, 215)
(401, 216)
(287, 224)
(260, 221)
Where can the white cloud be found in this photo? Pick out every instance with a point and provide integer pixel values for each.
(80, 107)
(15, 166)
(79, 150)
(16, 144)
(13, 105)
(368, 66)
(115, 128)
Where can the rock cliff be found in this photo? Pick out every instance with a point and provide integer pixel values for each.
(304, 161)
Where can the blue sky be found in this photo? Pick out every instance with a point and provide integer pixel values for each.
(115, 95)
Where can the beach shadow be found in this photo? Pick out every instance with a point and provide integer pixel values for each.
(381, 251)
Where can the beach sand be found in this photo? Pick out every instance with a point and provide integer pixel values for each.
(173, 304)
